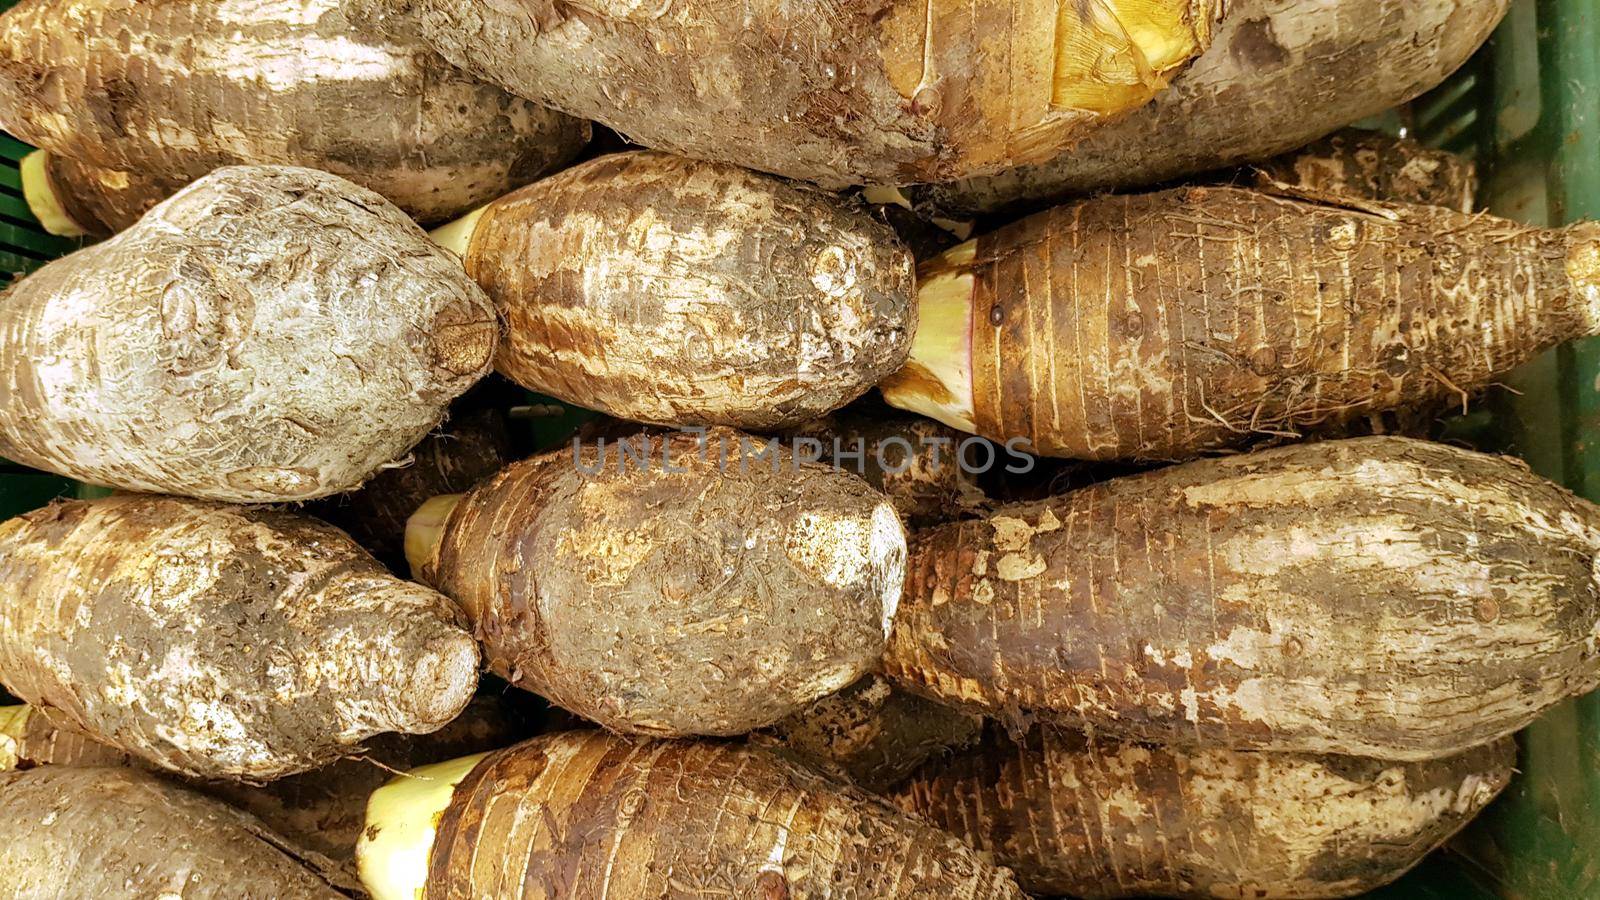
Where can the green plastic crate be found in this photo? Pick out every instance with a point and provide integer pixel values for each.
(1528, 109)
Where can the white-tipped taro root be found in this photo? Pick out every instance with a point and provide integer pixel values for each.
(871, 734)
(889, 92)
(139, 99)
(119, 832)
(1281, 74)
(268, 334)
(677, 292)
(220, 641)
(586, 815)
(1161, 326)
(1377, 597)
(1099, 819)
(708, 591)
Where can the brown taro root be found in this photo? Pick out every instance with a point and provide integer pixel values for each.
(586, 815)
(887, 92)
(1161, 326)
(871, 734)
(161, 94)
(713, 591)
(1101, 819)
(677, 292)
(1377, 597)
(466, 451)
(268, 334)
(221, 641)
(1281, 74)
(1370, 165)
(914, 461)
(120, 832)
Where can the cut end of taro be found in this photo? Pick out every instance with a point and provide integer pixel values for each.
(401, 825)
(440, 682)
(887, 552)
(937, 380)
(43, 198)
(424, 534)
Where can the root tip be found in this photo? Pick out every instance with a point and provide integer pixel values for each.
(43, 200)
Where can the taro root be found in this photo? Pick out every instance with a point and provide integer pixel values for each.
(134, 100)
(268, 334)
(711, 591)
(669, 819)
(1378, 597)
(221, 641)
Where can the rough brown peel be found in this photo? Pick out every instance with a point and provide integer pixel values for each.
(166, 92)
(118, 832)
(914, 461)
(713, 597)
(1281, 74)
(1161, 326)
(1101, 819)
(586, 816)
(1378, 596)
(677, 292)
(891, 91)
(39, 737)
(1370, 165)
(871, 734)
(268, 334)
(221, 641)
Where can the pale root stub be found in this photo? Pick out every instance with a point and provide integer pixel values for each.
(139, 99)
(1281, 74)
(221, 641)
(268, 334)
(1100, 819)
(679, 292)
(712, 597)
(889, 92)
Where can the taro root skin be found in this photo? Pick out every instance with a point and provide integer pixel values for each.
(1281, 74)
(268, 334)
(677, 292)
(887, 92)
(1163, 326)
(713, 598)
(119, 832)
(1098, 819)
(1371, 165)
(140, 99)
(221, 641)
(1378, 597)
(670, 819)
(871, 734)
